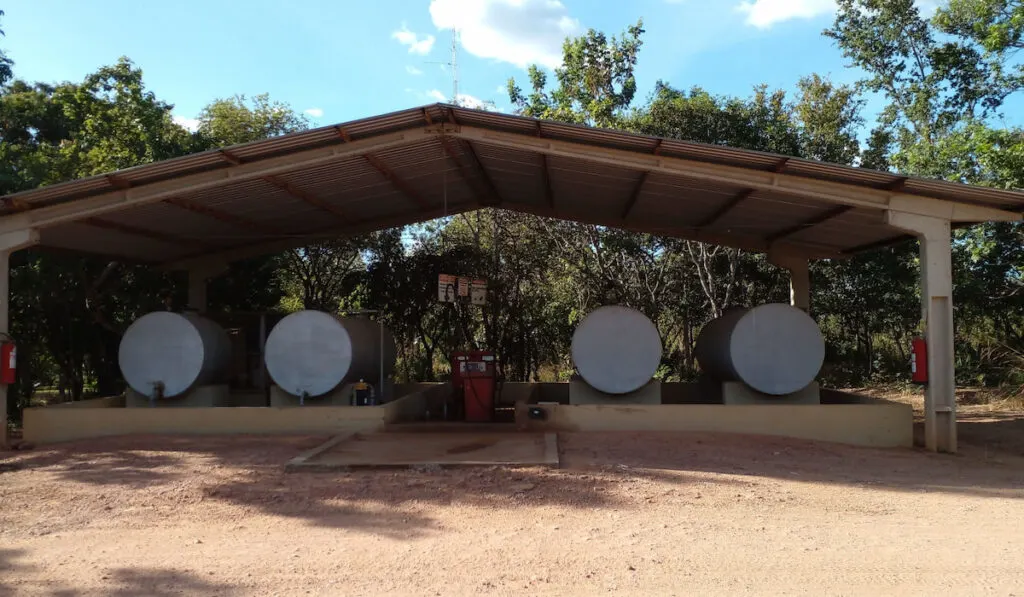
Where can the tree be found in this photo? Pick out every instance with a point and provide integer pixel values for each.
(238, 120)
(6, 64)
(595, 82)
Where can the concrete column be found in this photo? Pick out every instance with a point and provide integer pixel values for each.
(9, 242)
(937, 323)
(197, 282)
(799, 277)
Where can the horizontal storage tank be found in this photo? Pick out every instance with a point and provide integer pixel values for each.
(312, 352)
(775, 349)
(616, 349)
(165, 354)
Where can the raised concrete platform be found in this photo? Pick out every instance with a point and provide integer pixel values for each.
(580, 392)
(735, 393)
(430, 448)
(341, 396)
(200, 397)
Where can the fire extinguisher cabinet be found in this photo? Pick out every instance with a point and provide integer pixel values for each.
(8, 362)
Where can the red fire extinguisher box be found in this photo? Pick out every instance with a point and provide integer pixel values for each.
(919, 361)
(8, 362)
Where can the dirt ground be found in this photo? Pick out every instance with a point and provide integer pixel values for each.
(628, 514)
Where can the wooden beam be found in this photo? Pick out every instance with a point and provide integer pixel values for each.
(156, 235)
(467, 176)
(426, 116)
(267, 246)
(781, 165)
(878, 244)
(217, 214)
(726, 208)
(491, 189)
(308, 198)
(545, 172)
(896, 185)
(821, 218)
(117, 182)
(635, 195)
(229, 157)
(397, 182)
(381, 167)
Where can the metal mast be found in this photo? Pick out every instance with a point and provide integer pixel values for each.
(454, 64)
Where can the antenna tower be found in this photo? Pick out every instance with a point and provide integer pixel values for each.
(454, 64)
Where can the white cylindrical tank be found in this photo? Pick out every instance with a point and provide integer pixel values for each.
(616, 349)
(165, 354)
(312, 352)
(775, 349)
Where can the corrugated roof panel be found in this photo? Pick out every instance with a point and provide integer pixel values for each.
(169, 168)
(836, 173)
(170, 220)
(422, 173)
(75, 236)
(719, 154)
(600, 137)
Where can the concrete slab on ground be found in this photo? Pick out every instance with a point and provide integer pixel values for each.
(426, 449)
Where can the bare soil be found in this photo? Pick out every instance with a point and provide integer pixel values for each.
(628, 514)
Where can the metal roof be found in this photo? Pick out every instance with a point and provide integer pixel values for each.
(425, 162)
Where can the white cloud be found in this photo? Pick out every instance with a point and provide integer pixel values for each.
(191, 124)
(412, 70)
(501, 89)
(315, 112)
(469, 101)
(465, 100)
(520, 32)
(417, 44)
(763, 14)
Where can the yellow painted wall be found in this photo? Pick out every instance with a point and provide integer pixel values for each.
(418, 401)
(878, 425)
(109, 402)
(45, 425)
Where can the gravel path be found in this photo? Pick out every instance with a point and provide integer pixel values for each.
(629, 514)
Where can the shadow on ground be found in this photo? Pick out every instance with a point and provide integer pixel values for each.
(243, 475)
(122, 582)
(156, 476)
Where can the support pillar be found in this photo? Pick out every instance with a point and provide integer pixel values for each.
(197, 283)
(9, 243)
(934, 237)
(799, 277)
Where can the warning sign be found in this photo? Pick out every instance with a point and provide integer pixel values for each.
(446, 291)
(464, 287)
(478, 292)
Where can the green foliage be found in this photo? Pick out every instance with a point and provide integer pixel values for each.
(595, 83)
(238, 120)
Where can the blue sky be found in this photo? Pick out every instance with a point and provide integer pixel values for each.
(343, 60)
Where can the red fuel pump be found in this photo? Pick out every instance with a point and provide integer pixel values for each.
(919, 360)
(473, 378)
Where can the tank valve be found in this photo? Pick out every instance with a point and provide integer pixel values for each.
(302, 397)
(157, 393)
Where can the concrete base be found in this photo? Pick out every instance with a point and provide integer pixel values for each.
(734, 392)
(203, 396)
(581, 393)
(341, 396)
